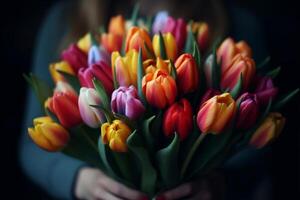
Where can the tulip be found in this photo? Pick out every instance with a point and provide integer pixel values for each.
(229, 49)
(151, 65)
(160, 22)
(207, 95)
(125, 101)
(178, 30)
(126, 68)
(111, 42)
(117, 25)
(138, 38)
(202, 31)
(178, 118)
(265, 89)
(248, 111)
(60, 66)
(159, 89)
(48, 135)
(97, 54)
(170, 45)
(85, 43)
(216, 113)
(90, 116)
(268, 130)
(115, 134)
(100, 71)
(75, 57)
(187, 73)
(240, 65)
(64, 105)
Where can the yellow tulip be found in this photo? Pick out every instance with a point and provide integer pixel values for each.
(170, 45)
(60, 66)
(85, 43)
(150, 65)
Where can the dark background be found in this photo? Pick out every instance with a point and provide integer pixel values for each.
(20, 21)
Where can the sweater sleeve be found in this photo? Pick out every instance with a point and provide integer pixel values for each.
(55, 173)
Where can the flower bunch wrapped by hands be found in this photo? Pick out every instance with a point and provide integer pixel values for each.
(156, 104)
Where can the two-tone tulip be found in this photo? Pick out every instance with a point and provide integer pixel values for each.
(248, 110)
(115, 135)
(85, 43)
(138, 38)
(178, 28)
(125, 68)
(178, 118)
(48, 135)
(265, 89)
(96, 54)
(151, 65)
(229, 49)
(170, 45)
(125, 101)
(241, 65)
(75, 57)
(268, 131)
(187, 73)
(91, 116)
(64, 105)
(202, 32)
(159, 88)
(62, 66)
(100, 71)
(216, 113)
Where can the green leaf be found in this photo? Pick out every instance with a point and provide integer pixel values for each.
(237, 88)
(197, 55)
(148, 135)
(148, 172)
(94, 41)
(162, 47)
(125, 119)
(108, 114)
(190, 39)
(285, 99)
(71, 79)
(140, 75)
(149, 52)
(274, 73)
(125, 165)
(173, 70)
(149, 21)
(216, 70)
(41, 88)
(116, 84)
(105, 101)
(135, 13)
(167, 162)
(264, 63)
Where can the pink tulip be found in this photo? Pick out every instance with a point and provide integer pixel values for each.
(265, 89)
(75, 57)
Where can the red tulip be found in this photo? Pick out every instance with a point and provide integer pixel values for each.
(75, 57)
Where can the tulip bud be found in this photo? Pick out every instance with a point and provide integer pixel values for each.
(85, 43)
(125, 101)
(151, 65)
(265, 89)
(90, 115)
(240, 65)
(100, 71)
(65, 108)
(126, 68)
(60, 66)
(115, 134)
(202, 31)
(268, 131)
(187, 73)
(48, 135)
(216, 113)
(111, 42)
(97, 54)
(248, 111)
(159, 89)
(170, 45)
(75, 57)
(117, 25)
(138, 38)
(178, 118)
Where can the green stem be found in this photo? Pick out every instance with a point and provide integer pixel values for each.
(191, 153)
(89, 140)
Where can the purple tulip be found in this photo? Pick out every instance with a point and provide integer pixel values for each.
(160, 21)
(248, 112)
(75, 57)
(125, 101)
(100, 71)
(97, 54)
(265, 90)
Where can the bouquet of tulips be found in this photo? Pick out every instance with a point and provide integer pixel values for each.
(155, 103)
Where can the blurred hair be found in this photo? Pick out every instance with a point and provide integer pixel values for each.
(88, 15)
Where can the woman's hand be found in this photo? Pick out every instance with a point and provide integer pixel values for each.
(94, 184)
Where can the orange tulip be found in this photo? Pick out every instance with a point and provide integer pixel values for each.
(159, 88)
(187, 73)
(216, 113)
(111, 42)
(60, 66)
(48, 135)
(268, 130)
(138, 38)
(170, 45)
(151, 65)
(240, 65)
(117, 25)
(229, 49)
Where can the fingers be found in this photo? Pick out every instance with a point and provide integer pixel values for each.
(177, 193)
(120, 190)
(101, 194)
